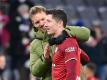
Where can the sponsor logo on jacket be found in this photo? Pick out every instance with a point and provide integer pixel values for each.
(70, 49)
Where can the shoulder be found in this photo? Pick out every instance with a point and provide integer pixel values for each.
(68, 43)
(77, 28)
(70, 40)
(35, 42)
(36, 46)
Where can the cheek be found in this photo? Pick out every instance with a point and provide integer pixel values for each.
(55, 27)
(35, 25)
(42, 22)
(49, 25)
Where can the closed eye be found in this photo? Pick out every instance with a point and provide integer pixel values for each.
(37, 22)
(43, 19)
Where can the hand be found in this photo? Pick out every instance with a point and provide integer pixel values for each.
(47, 51)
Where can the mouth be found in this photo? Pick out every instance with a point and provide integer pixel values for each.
(47, 29)
(41, 26)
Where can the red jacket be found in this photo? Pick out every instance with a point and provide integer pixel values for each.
(66, 61)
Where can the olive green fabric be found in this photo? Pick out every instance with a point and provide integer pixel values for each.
(81, 33)
(38, 65)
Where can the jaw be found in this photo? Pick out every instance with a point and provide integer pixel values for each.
(41, 29)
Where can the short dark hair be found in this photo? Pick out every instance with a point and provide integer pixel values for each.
(58, 15)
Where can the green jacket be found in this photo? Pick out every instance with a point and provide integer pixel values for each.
(38, 65)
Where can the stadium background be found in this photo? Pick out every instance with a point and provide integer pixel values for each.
(15, 32)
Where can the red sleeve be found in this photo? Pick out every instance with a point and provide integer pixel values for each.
(84, 58)
(70, 52)
(71, 70)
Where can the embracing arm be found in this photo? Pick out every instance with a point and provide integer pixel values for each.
(38, 64)
(84, 57)
(80, 33)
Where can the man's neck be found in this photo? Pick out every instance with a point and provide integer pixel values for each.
(58, 33)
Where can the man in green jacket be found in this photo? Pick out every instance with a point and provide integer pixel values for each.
(40, 65)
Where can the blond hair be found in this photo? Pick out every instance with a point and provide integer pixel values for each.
(36, 9)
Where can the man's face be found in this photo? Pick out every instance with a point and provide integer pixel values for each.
(51, 25)
(38, 20)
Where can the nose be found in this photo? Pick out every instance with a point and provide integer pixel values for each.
(45, 25)
(41, 23)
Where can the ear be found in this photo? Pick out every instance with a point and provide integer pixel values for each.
(60, 23)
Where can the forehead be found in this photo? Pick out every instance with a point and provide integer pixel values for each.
(38, 16)
(50, 17)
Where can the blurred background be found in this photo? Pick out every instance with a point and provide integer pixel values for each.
(16, 35)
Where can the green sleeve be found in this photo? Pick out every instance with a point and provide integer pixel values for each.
(81, 33)
(38, 65)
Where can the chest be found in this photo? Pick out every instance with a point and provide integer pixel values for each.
(58, 56)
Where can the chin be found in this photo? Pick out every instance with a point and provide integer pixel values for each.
(49, 33)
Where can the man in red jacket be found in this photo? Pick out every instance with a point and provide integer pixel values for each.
(66, 57)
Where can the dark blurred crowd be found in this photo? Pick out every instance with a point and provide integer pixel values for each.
(96, 48)
(16, 35)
